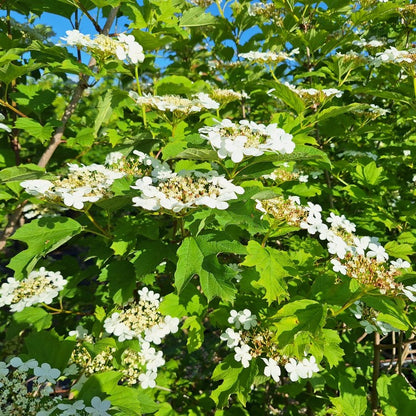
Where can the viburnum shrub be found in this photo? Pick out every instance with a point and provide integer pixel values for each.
(208, 207)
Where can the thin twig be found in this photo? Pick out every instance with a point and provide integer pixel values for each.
(376, 372)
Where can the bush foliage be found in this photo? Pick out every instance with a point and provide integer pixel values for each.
(208, 208)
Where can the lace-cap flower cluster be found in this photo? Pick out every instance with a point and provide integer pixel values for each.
(250, 341)
(41, 286)
(82, 184)
(315, 95)
(142, 320)
(361, 258)
(185, 190)
(26, 389)
(123, 47)
(246, 139)
(225, 96)
(393, 55)
(270, 58)
(179, 106)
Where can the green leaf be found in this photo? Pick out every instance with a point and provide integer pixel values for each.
(335, 111)
(48, 347)
(104, 111)
(197, 17)
(352, 400)
(35, 129)
(299, 326)
(269, 263)
(41, 236)
(236, 380)
(21, 173)
(332, 351)
(197, 256)
(396, 396)
(369, 174)
(197, 154)
(173, 84)
(121, 278)
(289, 97)
(37, 318)
(396, 249)
(195, 333)
(390, 311)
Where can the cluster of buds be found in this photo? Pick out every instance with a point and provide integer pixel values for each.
(225, 96)
(288, 211)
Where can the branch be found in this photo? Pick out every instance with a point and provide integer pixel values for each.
(93, 21)
(56, 140)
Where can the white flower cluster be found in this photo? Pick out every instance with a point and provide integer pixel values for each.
(373, 111)
(18, 397)
(242, 319)
(123, 47)
(142, 320)
(372, 43)
(270, 58)
(392, 55)
(82, 184)
(239, 341)
(246, 139)
(41, 286)
(360, 258)
(31, 211)
(175, 104)
(184, 190)
(315, 94)
(368, 320)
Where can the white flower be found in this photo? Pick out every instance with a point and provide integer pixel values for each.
(80, 332)
(360, 245)
(232, 338)
(113, 326)
(242, 319)
(23, 366)
(309, 367)
(113, 158)
(242, 354)
(36, 186)
(338, 267)
(338, 246)
(400, 264)
(376, 250)
(71, 408)
(46, 373)
(272, 369)
(147, 379)
(294, 370)
(98, 407)
(410, 292)
(149, 296)
(4, 370)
